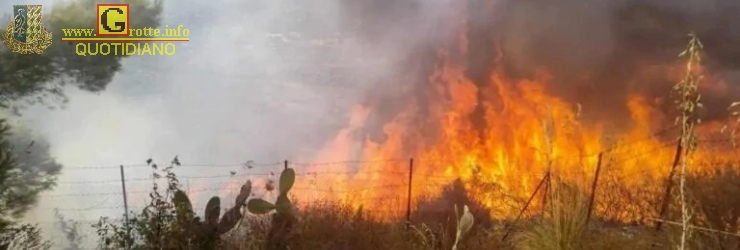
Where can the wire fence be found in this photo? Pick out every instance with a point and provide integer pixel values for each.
(405, 182)
(222, 175)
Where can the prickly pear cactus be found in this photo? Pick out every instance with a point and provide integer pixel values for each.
(281, 230)
(282, 204)
(214, 222)
(182, 203)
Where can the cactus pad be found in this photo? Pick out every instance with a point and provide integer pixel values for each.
(213, 210)
(213, 224)
(259, 206)
(182, 202)
(241, 198)
(287, 178)
(283, 205)
(229, 220)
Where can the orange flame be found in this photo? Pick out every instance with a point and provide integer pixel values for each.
(527, 133)
(524, 133)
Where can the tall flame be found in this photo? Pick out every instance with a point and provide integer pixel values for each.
(525, 133)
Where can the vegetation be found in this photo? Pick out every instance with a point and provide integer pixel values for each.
(71, 231)
(26, 168)
(24, 173)
(561, 226)
(703, 208)
(688, 89)
(40, 79)
(22, 237)
(284, 219)
(706, 211)
(169, 221)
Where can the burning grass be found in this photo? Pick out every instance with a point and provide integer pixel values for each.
(560, 223)
(561, 226)
(497, 178)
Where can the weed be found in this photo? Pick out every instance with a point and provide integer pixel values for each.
(169, 222)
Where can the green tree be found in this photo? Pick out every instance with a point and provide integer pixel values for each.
(30, 79)
(26, 168)
(35, 79)
(26, 237)
(24, 173)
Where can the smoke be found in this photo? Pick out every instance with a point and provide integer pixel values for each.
(601, 51)
(598, 52)
(270, 80)
(262, 81)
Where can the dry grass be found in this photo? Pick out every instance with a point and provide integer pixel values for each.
(711, 196)
(562, 226)
(558, 225)
(334, 226)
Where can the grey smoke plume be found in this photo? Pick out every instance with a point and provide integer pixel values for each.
(598, 51)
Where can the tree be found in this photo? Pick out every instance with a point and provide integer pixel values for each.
(34, 79)
(26, 168)
(24, 172)
(22, 177)
(29, 79)
(27, 237)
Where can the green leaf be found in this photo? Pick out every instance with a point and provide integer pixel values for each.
(283, 204)
(243, 195)
(213, 210)
(287, 178)
(182, 202)
(259, 206)
(229, 220)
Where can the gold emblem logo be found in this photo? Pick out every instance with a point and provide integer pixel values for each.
(25, 33)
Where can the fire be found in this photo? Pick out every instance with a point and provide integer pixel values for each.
(500, 138)
(525, 133)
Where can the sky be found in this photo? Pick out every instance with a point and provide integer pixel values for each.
(248, 86)
(261, 81)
